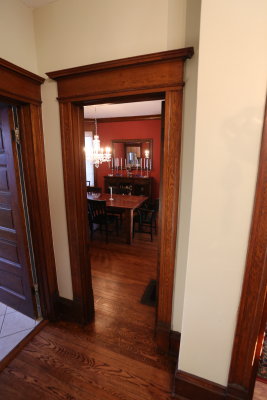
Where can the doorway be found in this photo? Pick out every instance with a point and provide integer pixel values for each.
(20, 90)
(149, 77)
(19, 305)
(123, 253)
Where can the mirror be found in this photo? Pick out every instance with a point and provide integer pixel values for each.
(131, 152)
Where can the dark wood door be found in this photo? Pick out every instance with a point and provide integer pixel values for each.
(15, 268)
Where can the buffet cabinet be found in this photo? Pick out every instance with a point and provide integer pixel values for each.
(137, 186)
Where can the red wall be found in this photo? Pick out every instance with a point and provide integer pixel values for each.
(146, 129)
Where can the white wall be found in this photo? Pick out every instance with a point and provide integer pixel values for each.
(231, 92)
(187, 160)
(17, 40)
(70, 33)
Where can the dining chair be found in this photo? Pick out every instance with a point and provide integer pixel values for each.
(152, 204)
(146, 220)
(93, 189)
(97, 215)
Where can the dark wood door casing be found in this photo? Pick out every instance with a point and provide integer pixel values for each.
(158, 75)
(22, 88)
(72, 136)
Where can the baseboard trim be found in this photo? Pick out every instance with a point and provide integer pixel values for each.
(191, 387)
(174, 343)
(167, 340)
(236, 392)
(68, 310)
(162, 335)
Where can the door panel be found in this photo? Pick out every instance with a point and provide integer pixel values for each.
(15, 268)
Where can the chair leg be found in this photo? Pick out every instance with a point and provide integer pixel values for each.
(92, 230)
(106, 228)
(117, 226)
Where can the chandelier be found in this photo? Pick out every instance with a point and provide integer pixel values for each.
(96, 154)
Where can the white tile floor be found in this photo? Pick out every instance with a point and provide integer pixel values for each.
(14, 326)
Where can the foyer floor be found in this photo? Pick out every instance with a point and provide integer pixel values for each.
(14, 326)
(115, 357)
(260, 391)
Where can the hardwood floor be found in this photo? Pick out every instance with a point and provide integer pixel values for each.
(115, 357)
(260, 391)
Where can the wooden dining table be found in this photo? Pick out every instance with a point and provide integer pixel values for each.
(125, 202)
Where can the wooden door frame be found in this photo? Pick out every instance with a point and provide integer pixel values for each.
(22, 88)
(157, 75)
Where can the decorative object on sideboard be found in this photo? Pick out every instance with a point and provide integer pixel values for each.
(132, 155)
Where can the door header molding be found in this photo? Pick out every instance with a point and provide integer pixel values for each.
(175, 55)
(19, 84)
(148, 75)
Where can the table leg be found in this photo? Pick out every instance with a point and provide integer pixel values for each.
(129, 225)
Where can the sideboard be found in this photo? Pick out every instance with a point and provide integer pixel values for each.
(137, 186)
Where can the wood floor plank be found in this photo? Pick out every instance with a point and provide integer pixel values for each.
(113, 358)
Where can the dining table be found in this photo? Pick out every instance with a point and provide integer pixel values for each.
(127, 203)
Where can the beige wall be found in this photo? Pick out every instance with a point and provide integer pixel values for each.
(52, 141)
(70, 33)
(187, 161)
(17, 40)
(231, 90)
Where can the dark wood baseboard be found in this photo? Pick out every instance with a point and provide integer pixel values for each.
(13, 353)
(191, 387)
(68, 310)
(168, 340)
(237, 392)
(174, 343)
(162, 335)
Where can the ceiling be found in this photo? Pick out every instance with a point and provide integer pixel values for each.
(37, 3)
(123, 110)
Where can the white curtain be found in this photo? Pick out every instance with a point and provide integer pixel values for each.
(89, 165)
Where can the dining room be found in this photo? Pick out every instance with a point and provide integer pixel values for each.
(123, 157)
